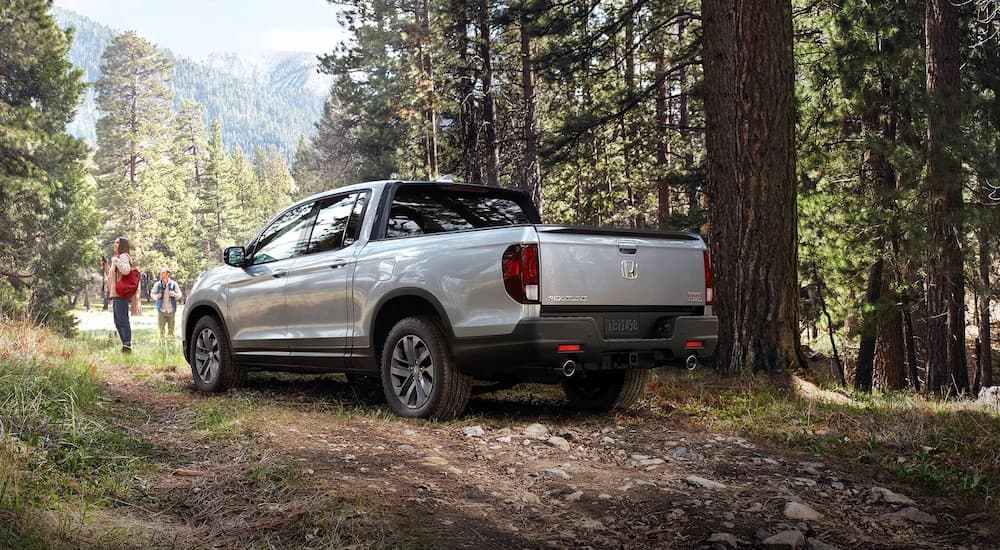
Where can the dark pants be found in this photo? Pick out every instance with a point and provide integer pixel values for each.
(121, 308)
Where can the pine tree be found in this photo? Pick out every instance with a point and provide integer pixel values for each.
(47, 212)
(134, 96)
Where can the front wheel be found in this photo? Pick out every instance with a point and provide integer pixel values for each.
(606, 390)
(212, 365)
(419, 376)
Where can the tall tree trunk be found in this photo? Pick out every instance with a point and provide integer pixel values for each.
(721, 189)
(985, 338)
(684, 121)
(766, 329)
(628, 128)
(865, 371)
(889, 349)
(531, 178)
(945, 283)
(664, 208)
(430, 103)
(489, 99)
(468, 113)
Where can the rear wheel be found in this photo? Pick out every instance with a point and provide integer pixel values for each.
(212, 365)
(419, 376)
(606, 390)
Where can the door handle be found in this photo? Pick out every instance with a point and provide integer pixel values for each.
(279, 274)
(338, 264)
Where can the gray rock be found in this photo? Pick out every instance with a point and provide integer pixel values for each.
(553, 473)
(911, 514)
(651, 462)
(724, 540)
(603, 496)
(558, 442)
(785, 540)
(607, 441)
(816, 544)
(881, 493)
(573, 497)
(754, 508)
(684, 454)
(797, 510)
(837, 485)
(591, 525)
(530, 498)
(504, 439)
(536, 431)
(704, 483)
(640, 458)
(473, 431)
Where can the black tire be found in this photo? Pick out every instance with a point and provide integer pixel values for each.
(367, 388)
(212, 364)
(417, 350)
(606, 390)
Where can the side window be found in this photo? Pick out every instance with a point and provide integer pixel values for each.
(286, 237)
(418, 210)
(331, 222)
(354, 224)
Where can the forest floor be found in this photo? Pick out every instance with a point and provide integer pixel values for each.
(299, 462)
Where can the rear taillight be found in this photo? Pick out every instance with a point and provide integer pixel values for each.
(520, 272)
(709, 286)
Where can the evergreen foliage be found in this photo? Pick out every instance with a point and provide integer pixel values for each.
(47, 214)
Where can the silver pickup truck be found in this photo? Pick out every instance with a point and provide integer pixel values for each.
(424, 287)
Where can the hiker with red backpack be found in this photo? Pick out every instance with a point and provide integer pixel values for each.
(122, 280)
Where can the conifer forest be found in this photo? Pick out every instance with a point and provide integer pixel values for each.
(841, 159)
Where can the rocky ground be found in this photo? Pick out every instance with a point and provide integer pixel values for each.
(518, 471)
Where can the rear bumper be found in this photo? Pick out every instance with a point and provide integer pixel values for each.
(533, 347)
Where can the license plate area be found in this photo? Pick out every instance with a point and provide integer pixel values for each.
(621, 326)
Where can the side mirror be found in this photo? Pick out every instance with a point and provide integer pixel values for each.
(235, 256)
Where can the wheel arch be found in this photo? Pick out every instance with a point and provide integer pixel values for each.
(196, 313)
(400, 304)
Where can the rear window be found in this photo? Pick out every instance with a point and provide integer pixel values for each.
(418, 210)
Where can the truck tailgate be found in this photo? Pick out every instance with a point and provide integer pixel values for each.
(609, 267)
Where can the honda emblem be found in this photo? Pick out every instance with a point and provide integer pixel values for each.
(629, 269)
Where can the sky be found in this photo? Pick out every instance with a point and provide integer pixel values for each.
(198, 27)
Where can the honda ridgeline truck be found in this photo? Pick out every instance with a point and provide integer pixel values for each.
(424, 287)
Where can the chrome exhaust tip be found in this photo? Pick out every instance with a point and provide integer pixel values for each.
(569, 368)
(691, 362)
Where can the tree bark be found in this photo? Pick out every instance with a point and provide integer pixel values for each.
(889, 351)
(721, 189)
(489, 100)
(531, 178)
(766, 332)
(664, 208)
(430, 107)
(945, 283)
(985, 338)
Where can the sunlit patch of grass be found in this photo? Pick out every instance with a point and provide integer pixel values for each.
(941, 446)
(60, 447)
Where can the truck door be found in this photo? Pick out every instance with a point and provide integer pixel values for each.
(257, 312)
(319, 311)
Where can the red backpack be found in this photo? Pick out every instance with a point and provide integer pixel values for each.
(127, 285)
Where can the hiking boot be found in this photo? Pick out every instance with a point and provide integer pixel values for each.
(126, 349)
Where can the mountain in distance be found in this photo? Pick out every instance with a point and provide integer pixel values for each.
(260, 99)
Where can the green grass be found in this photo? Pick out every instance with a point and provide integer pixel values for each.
(72, 455)
(934, 445)
(60, 446)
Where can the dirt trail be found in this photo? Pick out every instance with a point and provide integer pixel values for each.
(311, 468)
